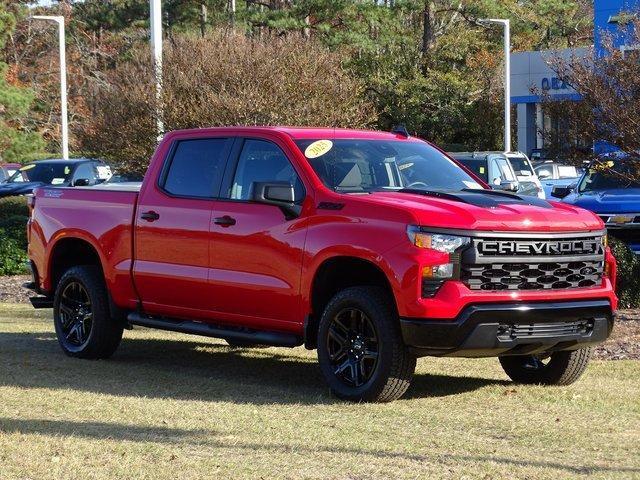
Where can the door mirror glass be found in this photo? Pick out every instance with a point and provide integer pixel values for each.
(561, 191)
(81, 182)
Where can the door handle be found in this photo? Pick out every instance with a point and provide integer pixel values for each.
(225, 221)
(150, 216)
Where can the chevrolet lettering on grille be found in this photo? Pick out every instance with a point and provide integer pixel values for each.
(542, 247)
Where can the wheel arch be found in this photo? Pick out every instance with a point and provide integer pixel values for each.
(334, 274)
(71, 251)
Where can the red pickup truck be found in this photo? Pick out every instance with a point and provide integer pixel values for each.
(374, 248)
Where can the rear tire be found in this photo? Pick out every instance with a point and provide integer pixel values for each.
(558, 368)
(360, 347)
(81, 315)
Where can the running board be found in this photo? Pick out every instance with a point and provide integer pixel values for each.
(41, 302)
(275, 339)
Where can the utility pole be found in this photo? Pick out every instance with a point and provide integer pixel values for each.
(64, 120)
(156, 50)
(507, 77)
(203, 19)
(232, 11)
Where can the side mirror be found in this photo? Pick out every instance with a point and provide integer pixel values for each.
(81, 182)
(561, 191)
(280, 194)
(507, 186)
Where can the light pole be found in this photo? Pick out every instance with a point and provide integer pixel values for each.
(63, 81)
(155, 21)
(507, 77)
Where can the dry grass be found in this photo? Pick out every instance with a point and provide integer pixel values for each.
(172, 406)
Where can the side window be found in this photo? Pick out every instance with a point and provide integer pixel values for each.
(196, 167)
(85, 170)
(263, 161)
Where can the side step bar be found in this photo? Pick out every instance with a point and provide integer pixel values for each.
(276, 339)
(41, 302)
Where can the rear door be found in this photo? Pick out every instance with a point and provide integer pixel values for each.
(173, 221)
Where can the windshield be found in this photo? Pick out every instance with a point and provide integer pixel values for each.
(596, 180)
(357, 166)
(49, 173)
(521, 166)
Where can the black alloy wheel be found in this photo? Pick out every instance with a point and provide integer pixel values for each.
(360, 347)
(352, 344)
(76, 314)
(81, 314)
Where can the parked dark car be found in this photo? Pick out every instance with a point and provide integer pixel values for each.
(8, 169)
(495, 169)
(76, 172)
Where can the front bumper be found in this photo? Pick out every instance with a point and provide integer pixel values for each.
(511, 328)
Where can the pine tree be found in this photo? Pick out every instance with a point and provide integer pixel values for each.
(16, 142)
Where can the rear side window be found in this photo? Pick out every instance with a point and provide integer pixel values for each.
(196, 167)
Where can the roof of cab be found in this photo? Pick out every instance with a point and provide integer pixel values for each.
(302, 133)
(70, 160)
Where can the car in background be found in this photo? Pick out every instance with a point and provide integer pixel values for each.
(495, 169)
(77, 172)
(525, 172)
(611, 196)
(539, 155)
(8, 169)
(552, 174)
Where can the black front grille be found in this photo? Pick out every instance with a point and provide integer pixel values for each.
(533, 276)
(526, 264)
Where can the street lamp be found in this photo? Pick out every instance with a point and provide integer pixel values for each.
(155, 21)
(507, 77)
(63, 81)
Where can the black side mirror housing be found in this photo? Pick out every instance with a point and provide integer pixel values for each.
(561, 191)
(280, 194)
(81, 182)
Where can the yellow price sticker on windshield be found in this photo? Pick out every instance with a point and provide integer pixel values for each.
(318, 148)
(481, 169)
(28, 167)
(67, 170)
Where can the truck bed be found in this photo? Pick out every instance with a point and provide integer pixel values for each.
(102, 217)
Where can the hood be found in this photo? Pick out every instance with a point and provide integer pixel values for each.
(490, 211)
(619, 200)
(18, 188)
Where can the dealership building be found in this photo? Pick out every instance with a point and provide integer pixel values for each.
(532, 78)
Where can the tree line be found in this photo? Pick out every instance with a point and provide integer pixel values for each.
(359, 63)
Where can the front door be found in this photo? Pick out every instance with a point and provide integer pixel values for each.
(172, 227)
(257, 252)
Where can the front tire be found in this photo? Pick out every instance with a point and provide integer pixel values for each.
(360, 347)
(81, 316)
(558, 368)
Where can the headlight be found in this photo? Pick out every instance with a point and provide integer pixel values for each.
(436, 241)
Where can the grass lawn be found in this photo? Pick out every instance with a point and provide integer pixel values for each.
(182, 407)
